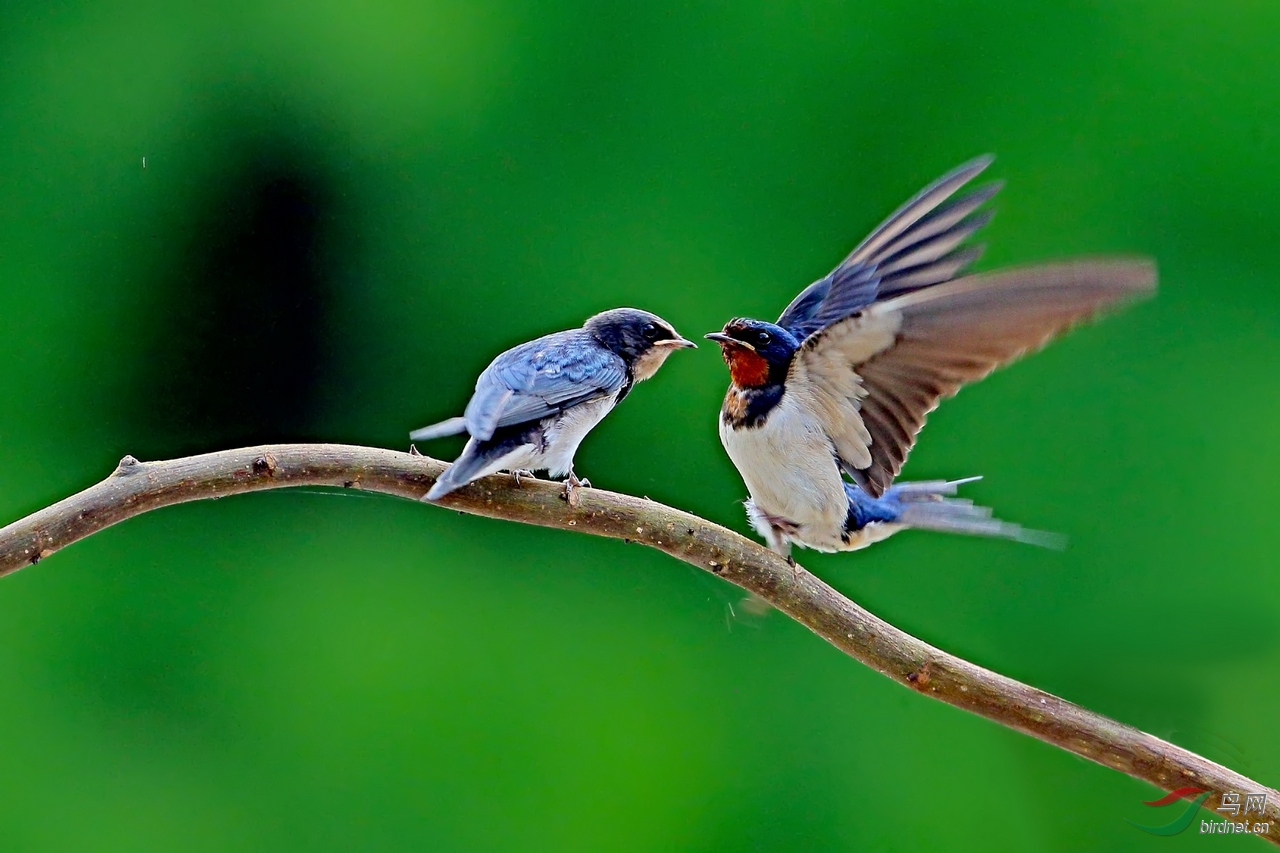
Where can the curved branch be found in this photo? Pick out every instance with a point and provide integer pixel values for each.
(137, 487)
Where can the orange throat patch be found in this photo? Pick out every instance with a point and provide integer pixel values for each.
(746, 368)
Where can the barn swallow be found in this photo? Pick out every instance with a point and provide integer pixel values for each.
(842, 383)
(535, 403)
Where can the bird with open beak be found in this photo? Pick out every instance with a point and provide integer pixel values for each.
(535, 403)
(840, 385)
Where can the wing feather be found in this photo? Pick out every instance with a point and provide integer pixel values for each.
(916, 208)
(947, 218)
(540, 378)
(891, 364)
(920, 244)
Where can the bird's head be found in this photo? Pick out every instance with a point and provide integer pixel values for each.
(758, 353)
(643, 340)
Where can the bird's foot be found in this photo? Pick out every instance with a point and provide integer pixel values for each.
(572, 487)
(517, 473)
(796, 570)
(777, 532)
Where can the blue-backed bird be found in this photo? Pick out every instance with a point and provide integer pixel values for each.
(841, 384)
(535, 403)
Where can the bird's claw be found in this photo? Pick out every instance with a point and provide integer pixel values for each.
(517, 473)
(572, 487)
(796, 571)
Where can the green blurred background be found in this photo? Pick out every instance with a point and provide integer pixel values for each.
(347, 209)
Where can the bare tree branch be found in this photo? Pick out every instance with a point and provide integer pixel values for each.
(137, 487)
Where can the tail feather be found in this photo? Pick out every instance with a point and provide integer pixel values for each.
(935, 487)
(928, 505)
(478, 459)
(452, 426)
(482, 458)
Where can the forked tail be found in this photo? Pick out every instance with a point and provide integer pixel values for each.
(929, 505)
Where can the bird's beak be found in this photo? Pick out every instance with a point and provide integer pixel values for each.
(676, 343)
(724, 340)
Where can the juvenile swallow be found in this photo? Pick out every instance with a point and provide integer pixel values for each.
(841, 384)
(535, 403)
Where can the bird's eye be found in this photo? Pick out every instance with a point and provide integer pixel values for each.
(764, 338)
(650, 331)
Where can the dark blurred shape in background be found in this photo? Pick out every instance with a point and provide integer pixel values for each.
(246, 318)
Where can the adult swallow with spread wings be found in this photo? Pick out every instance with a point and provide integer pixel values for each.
(841, 384)
(535, 403)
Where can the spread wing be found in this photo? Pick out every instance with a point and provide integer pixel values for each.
(918, 246)
(540, 378)
(875, 375)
